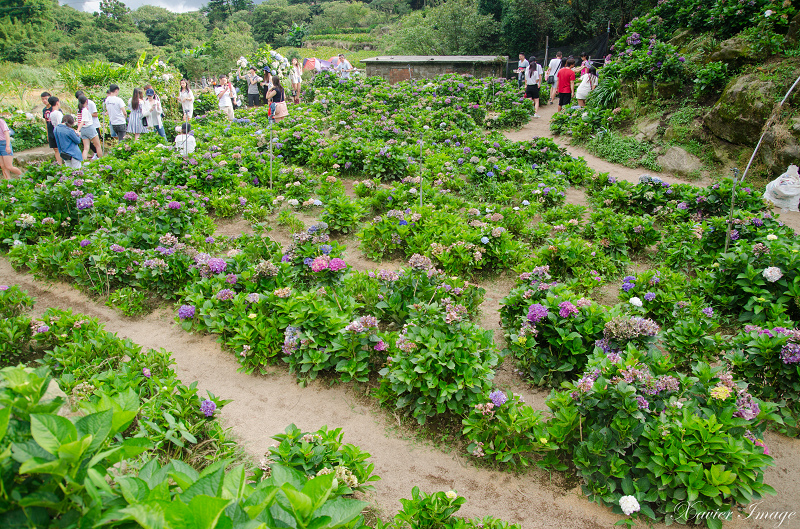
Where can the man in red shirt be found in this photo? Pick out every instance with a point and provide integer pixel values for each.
(566, 84)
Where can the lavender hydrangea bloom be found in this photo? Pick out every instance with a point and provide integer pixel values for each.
(566, 309)
(130, 196)
(146, 372)
(84, 203)
(537, 312)
(210, 240)
(498, 398)
(186, 312)
(790, 354)
(650, 296)
(225, 294)
(208, 408)
(708, 311)
(85, 243)
(217, 265)
(174, 205)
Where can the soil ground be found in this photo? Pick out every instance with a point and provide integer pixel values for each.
(264, 405)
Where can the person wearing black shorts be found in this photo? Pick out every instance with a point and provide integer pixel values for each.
(51, 139)
(566, 84)
(533, 83)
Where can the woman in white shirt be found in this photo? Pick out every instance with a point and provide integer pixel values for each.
(533, 83)
(151, 110)
(296, 77)
(186, 98)
(588, 83)
(87, 129)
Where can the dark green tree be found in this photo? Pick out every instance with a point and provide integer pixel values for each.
(491, 7)
(523, 27)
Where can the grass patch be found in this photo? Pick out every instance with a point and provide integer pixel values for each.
(624, 150)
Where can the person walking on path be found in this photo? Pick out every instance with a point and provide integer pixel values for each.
(92, 112)
(86, 128)
(522, 65)
(51, 139)
(296, 77)
(117, 113)
(588, 83)
(152, 110)
(552, 70)
(7, 152)
(186, 99)
(136, 126)
(566, 84)
(68, 141)
(224, 94)
(533, 83)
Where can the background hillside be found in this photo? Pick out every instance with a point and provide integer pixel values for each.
(43, 33)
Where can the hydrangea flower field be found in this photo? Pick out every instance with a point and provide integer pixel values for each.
(659, 397)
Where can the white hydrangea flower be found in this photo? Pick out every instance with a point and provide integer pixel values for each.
(636, 302)
(768, 13)
(772, 237)
(629, 505)
(772, 274)
(451, 494)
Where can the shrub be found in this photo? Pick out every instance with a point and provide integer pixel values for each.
(710, 78)
(439, 364)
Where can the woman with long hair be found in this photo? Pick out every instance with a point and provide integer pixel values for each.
(277, 98)
(186, 98)
(87, 129)
(135, 104)
(296, 77)
(6, 151)
(588, 83)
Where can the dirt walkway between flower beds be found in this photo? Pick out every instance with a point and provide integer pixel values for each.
(264, 405)
(540, 128)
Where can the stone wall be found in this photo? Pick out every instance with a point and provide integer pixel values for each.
(395, 72)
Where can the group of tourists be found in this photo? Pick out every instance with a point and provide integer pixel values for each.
(561, 75)
(142, 114)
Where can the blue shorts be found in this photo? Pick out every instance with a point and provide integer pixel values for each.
(6, 150)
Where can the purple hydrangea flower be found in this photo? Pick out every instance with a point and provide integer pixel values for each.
(326, 249)
(498, 398)
(537, 312)
(210, 240)
(225, 294)
(130, 196)
(650, 296)
(84, 203)
(380, 346)
(85, 243)
(790, 354)
(208, 408)
(231, 279)
(217, 265)
(708, 311)
(186, 312)
(116, 248)
(174, 205)
(146, 372)
(566, 309)
(643, 404)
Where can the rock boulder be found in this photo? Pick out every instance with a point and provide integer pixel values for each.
(678, 161)
(742, 109)
(736, 52)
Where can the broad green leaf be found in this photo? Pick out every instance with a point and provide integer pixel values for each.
(51, 431)
(210, 485)
(5, 414)
(149, 515)
(207, 510)
(96, 424)
(73, 452)
(318, 489)
(133, 489)
(300, 503)
(341, 510)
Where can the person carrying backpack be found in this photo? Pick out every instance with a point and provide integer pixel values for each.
(552, 70)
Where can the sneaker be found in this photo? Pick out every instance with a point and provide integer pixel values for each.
(537, 116)
(94, 157)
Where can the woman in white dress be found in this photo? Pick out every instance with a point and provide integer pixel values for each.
(186, 99)
(135, 105)
(296, 77)
(588, 83)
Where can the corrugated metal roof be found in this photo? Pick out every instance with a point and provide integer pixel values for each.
(434, 58)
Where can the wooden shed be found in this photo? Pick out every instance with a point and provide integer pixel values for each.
(396, 68)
